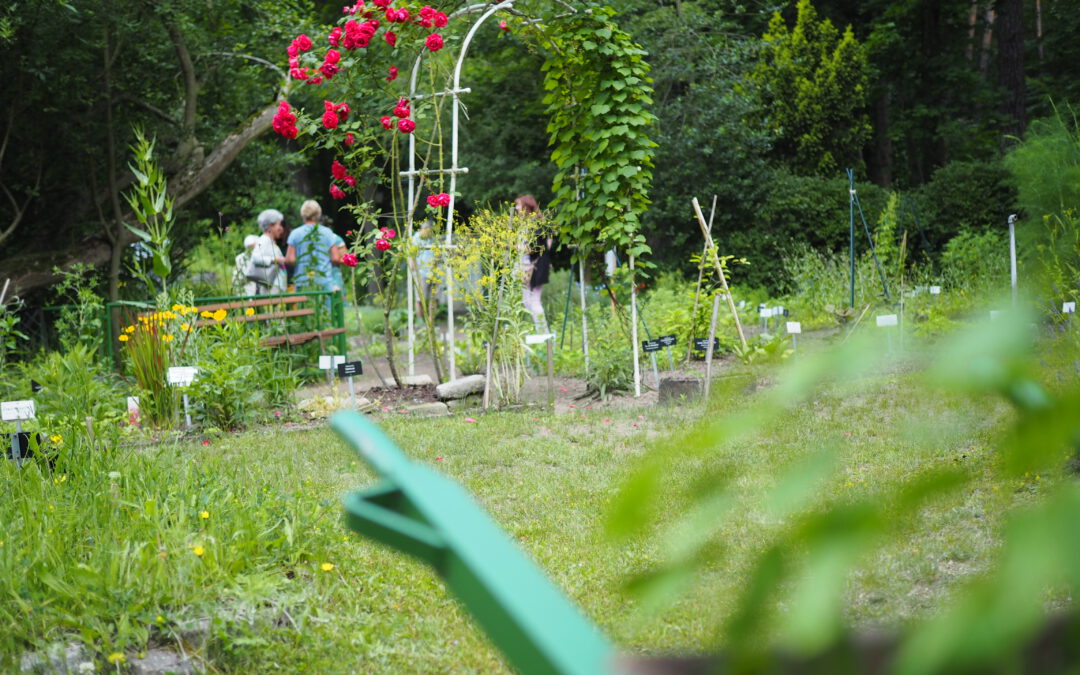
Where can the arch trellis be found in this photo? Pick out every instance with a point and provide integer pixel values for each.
(597, 88)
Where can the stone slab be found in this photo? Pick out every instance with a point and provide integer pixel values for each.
(427, 409)
(459, 388)
(161, 662)
(421, 380)
(679, 388)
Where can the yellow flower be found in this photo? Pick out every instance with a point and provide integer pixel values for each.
(56, 438)
(123, 337)
(61, 479)
(250, 311)
(117, 658)
(178, 307)
(220, 315)
(160, 619)
(185, 327)
(167, 338)
(206, 315)
(204, 514)
(129, 329)
(198, 550)
(326, 567)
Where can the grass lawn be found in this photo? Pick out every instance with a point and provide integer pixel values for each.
(130, 543)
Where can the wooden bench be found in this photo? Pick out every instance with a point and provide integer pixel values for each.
(284, 313)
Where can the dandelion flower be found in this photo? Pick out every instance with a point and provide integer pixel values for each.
(250, 311)
(123, 338)
(56, 438)
(326, 567)
(198, 550)
(204, 514)
(220, 315)
(117, 658)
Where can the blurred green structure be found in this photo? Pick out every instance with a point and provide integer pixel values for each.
(415, 510)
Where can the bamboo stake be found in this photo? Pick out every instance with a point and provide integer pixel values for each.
(584, 320)
(719, 269)
(697, 289)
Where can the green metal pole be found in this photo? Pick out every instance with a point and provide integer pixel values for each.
(566, 311)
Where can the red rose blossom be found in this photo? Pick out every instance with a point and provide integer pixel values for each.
(332, 56)
(334, 38)
(390, 37)
(393, 74)
(505, 27)
(349, 180)
(349, 139)
(336, 192)
(337, 169)
(387, 122)
(406, 126)
(434, 42)
(348, 260)
(382, 244)
(440, 20)
(330, 120)
(303, 42)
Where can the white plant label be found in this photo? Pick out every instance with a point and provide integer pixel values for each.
(742, 304)
(1068, 308)
(765, 312)
(935, 290)
(182, 376)
(16, 411)
(886, 320)
(538, 339)
(133, 403)
(327, 362)
(793, 327)
(778, 311)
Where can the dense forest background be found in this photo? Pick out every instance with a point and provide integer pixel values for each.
(762, 104)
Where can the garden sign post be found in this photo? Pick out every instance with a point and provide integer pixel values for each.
(719, 269)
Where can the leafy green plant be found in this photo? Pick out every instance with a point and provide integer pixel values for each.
(10, 305)
(153, 207)
(74, 386)
(977, 263)
(764, 348)
(81, 321)
(611, 363)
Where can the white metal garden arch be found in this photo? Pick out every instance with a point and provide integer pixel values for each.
(412, 173)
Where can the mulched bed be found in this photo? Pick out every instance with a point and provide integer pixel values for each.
(393, 397)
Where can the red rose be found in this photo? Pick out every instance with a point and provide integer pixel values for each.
(329, 70)
(406, 126)
(383, 4)
(427, 12)
(349, 139)
(332, 56)
(382, 244)
(342, 110)
(338, 170)
(292, 50)
(393, 74)
(330, 120)
(334, 38)
(434, 42)
(336, 192)
(315, 80)
(440, 19)
(444, 199)
(298, 73)
(303, 42)
(350, 181)
(504, 26)
(402, 109)
(349, 260)
(388, 233)
(390, 37)
(387, 123)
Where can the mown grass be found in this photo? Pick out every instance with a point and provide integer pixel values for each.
(103, 550)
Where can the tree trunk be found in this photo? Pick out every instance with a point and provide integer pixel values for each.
(1011, 65)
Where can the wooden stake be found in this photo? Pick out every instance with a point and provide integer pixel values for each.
(633, 330)
(551, 374)
(719, 269)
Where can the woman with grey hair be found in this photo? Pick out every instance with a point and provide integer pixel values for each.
(266, 252)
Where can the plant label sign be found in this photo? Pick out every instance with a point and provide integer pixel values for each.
(182, 376)
(1068, 308)
(764, 312)
(702, 344)
(349, 369)
(330, 362)
(650, 346)
(667, 340)
(793, 327)
(538, 339)
(886, 320)
(935, 290)
(17, 411)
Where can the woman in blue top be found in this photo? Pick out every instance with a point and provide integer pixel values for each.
(313, 250)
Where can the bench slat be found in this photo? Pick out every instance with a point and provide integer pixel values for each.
(301, 338)
(271, 300)
(270, 316)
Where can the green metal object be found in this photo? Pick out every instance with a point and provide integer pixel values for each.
(422, 513)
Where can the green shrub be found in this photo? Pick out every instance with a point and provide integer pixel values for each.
(976, 262)
(964, 196)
